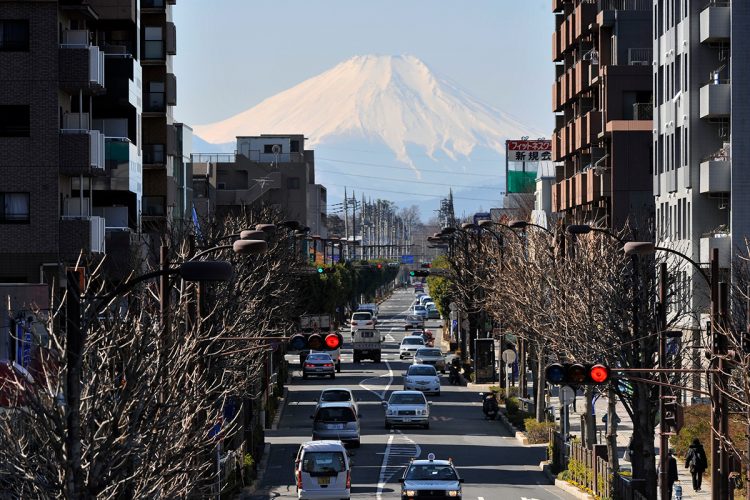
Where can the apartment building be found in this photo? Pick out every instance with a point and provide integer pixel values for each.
(700, 50)
(269, 169)
(602, 99)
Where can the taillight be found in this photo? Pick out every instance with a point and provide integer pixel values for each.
(354, 322)
(327, 364)
(369, 323)
(348, 480)
(299, 479)
(309, 365)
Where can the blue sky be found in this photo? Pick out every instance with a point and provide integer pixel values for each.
(232, 54)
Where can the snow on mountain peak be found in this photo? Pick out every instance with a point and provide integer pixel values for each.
(395, 99)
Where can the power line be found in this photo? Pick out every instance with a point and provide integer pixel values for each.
(498, 160)
(403, 180)
(382, 165)
(368, 188)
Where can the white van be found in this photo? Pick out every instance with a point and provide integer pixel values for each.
(322, 470)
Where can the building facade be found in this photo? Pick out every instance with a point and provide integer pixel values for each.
(602, 99)
(273, 170)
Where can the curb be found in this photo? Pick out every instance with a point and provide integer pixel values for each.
(547, 470)
(572, 490)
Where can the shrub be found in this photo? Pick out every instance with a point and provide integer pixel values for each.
(537, 432)
(248, 467)
(511, 405)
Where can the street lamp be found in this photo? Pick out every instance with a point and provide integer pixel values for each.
(585, 229)
(522, 224)
(266, 228)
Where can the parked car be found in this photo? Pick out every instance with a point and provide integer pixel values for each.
(407, 408)
(409, 346)
(336, 421)
(430, 356)
(338, 395)
(412, 321)
(422, 378)
(320, 364)
(322, 470)
(431, 478)
(361, 319)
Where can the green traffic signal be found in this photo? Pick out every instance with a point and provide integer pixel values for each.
(411, 273)
(321, 270)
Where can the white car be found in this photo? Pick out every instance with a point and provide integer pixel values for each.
(407, 408)
(424, 299)
(322, 470)
(362, 319)
(338, 395)
(422, 378)
(419, 310)
(409, 346)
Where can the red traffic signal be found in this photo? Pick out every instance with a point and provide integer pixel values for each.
(576, 374)
(380, 266)
(315, 341)
(427, 265)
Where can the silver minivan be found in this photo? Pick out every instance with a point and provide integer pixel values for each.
(336, 421)
(322, 470)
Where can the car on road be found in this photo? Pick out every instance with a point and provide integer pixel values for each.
(409, 346)
(430, 356)
(320, 364)
(373, 308)
(412, 321)
(407, 408)
(419, 310)
(432, 311)
(322, 470)
(426, 335)
(338, 395)
(336, 421)
(422, 378)
(424, 299)
(361, 319)
(430, 478)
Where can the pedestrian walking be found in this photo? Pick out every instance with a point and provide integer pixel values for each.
(672, 475)
(697, 462)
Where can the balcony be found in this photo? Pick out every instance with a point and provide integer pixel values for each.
(124, 165)
(715, 22)
(716, 99)
(593, 187)
(171, 38)
(584, 14)
(556, 47)
(722, 241)
(81, 68)
(154, 154)
(556, 153)
(716, 174)
(85, 233)
(171, 89)
(582, 75)
(124, 79)
(81, 152)
(608, 15)
(557, 5)
(580, 186)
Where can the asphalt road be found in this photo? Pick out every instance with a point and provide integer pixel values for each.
(493, 464)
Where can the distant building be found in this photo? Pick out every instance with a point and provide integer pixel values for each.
(603, 104)
(268, 169)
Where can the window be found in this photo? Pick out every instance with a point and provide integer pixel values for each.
(15, 208)
(292, 182)
(153, 46)
(14, 35)
(155, 100)
(14, 121)
(268, 148)
(294, 146)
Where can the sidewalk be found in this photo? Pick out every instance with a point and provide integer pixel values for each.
(624, 432)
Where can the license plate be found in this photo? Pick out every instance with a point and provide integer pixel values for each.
(324, 480)
(336, 426)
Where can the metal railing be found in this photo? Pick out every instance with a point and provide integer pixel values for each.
(213, 157)
(640, 56)
(625, 5)
(643, 111)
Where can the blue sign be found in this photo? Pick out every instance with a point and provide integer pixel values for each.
(23, 345)
(407, 259)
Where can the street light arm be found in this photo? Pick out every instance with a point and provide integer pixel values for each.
(130, 284)
(688, 259)
(209, 250)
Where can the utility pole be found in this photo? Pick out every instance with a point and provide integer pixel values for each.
(663, 436)
(346, 223)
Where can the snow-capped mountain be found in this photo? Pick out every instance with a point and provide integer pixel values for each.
(392, 110)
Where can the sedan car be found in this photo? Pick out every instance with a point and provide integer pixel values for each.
(419, 310)
(338, 395)
(320, 364)
(422, 378)
(413, 322)
(407, 408)
(409, 346)
(430, 356)
(362, 319)
(430, 478)
(336, 421)
(432, 311)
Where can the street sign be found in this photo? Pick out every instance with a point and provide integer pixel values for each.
(509, 356)
(567, 395)
(407, 259)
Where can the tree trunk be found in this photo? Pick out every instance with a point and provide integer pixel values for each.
(540, 383)
(614, 460)
(644, 462)
(589, 417)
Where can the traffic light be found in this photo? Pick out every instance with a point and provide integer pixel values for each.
(426, 265)
(419, 273)
(380, 266)
(576, 374)
(316, 341)
(325, 270)
(673, 416)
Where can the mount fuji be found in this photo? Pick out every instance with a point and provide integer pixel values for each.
(387, 127)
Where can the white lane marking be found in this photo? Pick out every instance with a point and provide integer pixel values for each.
(396, 457)
(380, 394)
